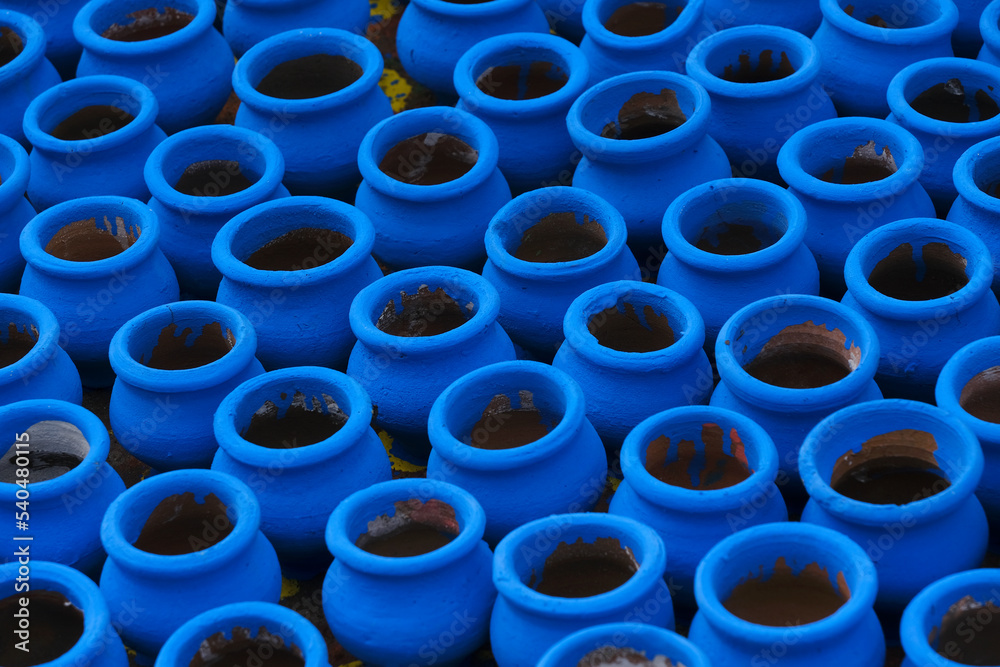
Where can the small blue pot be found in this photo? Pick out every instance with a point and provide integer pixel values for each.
(917, 337)
(46, 371)
(164, 417)
(640, 177)
(849, 636)
(91, 299)
(61, 48)
(15, 211)
(535, 148)
(802, 17)
(526, 623)
(722, 284)
(191, 222)
(565, 18)
(24, 77)
(653, 642)
(328, 168)
(65, 511)
(986, 33)
(860, 59)
(976, 172)
(167, 591)
(841, 213)
(310, 305)
(247, 23)
(437, 603)
(915, 543)
(189, 70)
(534, 296)
(563, 471)
(299, 486)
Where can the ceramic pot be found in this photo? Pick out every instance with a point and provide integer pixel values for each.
(976, 175)
(920, 324)
(802, 17)
(295, 112)
(25, 71)
(851, 175)
(199, 180)
(95, 263)
(646, 639)
(81, 154)
(966, 40)
(56, 20)
(175, 364)
(250, 22)
(437, 601)
(44, 370)
(171, 571)
(986, 33)
(15, 211)
(565, 18)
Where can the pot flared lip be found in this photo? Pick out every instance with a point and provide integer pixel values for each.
(940, 28)
(33, 37)
(480, 10)
(989, 24)
(555, 200)
(132, 372)
(93, 41)
(685, 22)
(800, 180)
(15, 182)
(349, 220)
(964, 175)
(368, 503)
(509, 584)
(653, 640)
(34, 312)
(138, 502)
(949, 68)
(876, 245)
(964, 365)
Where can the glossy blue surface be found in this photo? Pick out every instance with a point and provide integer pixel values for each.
(24, 77)
(249, 22)
(46, 371)
(976, 209)
(15, 211)
(653, 642)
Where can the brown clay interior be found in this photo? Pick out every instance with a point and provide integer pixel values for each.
(213, 178)
(306, 421)
(416, 528)
(968, 635)
(56, 625)
(148, 24)
(11, 45)
(425, 313)
(701, 466)
(948, 101)
(765, 70)
(247, 648)
(522, 82)
(805, 356)
(503, 426)
(622, 329)
(300, 249)
(864, 165)
(980, 396)
(431, 158)
(646, 115)
(180, 524)
(582, 569)
(173, 353)
(940, 273)
(85, 241)
(310, 76)
(784, 598)
(739, 236)
(18, 343)
(900, 20)
(559, 237)
(638, 19)
(90, 122)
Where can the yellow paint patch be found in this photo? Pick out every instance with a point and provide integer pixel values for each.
(395, 87)
(289, 587)
(398, 464)
(614, 483)
(384, 8)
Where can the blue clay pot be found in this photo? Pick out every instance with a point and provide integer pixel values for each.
(693, 517)
(443, 223)
(297, 482)
(653, 642)
(24, 77)
(307, 306)
(56, 20)
(164, 417)
(987, 32)
(943, 141)
(640, 177)
(526, 623)
(189, 70)
(976, 174)
(91, 298)
(622, 386)
(45, 371)
(802, 17)
(752, 121)
(966, 40)
(913, 542)
(849, 636)
(166, 591)
(565, 18)
(250, 22)
(99, 645)
(15, 211)
(535, 148)
(920, 328)
(63, 169)
(839, 209)
(721, 284)
(433, 34)
(534, 296)
(562, 471)
(404, 375)
(437, 603)
(329, 167)
(190, 222)
(861, 58)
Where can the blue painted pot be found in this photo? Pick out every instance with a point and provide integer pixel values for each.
(15, 211)
(849, 636)
(694, 518)
(61, 48)
(562, 471)
(535, 148)
(24, 77)
(919, 329)
(802, 17)
(45, 371)
(91, 292)
(190, 222)
(640, 177)
(164, 417)
(824, 327)
(437, 603)
(625, 387)
(976, 173)
(299, 483)
(99, 645)
(695, 227)
(966, 40)
(943, 141)
(840, 210)
(189, 70)
(66, 510)
(753, 120)
(986, 33)
(64, 169)
(912, 543)
(327, 168)
(534, 296)
(565, 18)
(653, 642)
(433, 34)
(250, 22)
(860, 58)
(166, 591)
(308, 305)
(404, 375)
(526, 623)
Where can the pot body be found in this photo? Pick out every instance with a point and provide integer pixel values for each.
(565, 18)
(46, 371)
(61, 47)
(985, 35)
(974, 208)
(802, 17)
(24, 77)
(15, 211)
(246, 24)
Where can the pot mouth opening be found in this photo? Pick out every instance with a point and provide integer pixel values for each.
(581, 569)
(557, 236)
(644, 105)
(936, 272)
(632, 326)
(11, 44)
(962, 632)
(980, 396)
(868, 162)
(309, 76)
(249, 646)
(413, 527)
(525, 74)
(616, 654)
(967, 97)
(57, 625)
(424, 313)
(21, 338)
(178, 349)
(91, 121)
(51, 449)
(755, 58)
(645, 115)
(299, 249)
(215, 178)
(87, 240)
(726, 221)
(429, 158)
(700, 456)
(806, 355)
(181, 524)
(142, 25)
(509, 419)
(639, 19)
(888, 14)
(293, 420)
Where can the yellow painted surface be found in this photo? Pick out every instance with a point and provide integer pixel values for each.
(395, 87)
(289, 587)
(398, 464)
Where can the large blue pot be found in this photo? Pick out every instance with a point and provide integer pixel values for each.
(976, 176)
(56, 20)
(45, 370)
(646, 639)
(987, 32)
(24, 77)
(15, 211)
(800, 16)
(249, 22)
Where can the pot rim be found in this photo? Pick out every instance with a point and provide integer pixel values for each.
(33, 38)
(941, 27)
(989, 25)
(906, 116)
(956, 373)
(574, 646)
(964, 174)
(93, 41)
(686, 21)
(45, 348)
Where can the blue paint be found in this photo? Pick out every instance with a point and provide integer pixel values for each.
(986, 31)
(46, 371)
(61, 48)
(15, 211)
(247, 23)
(653, 642)
(976, 173)
(802, 17)
(565, 18)
(24, 77)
